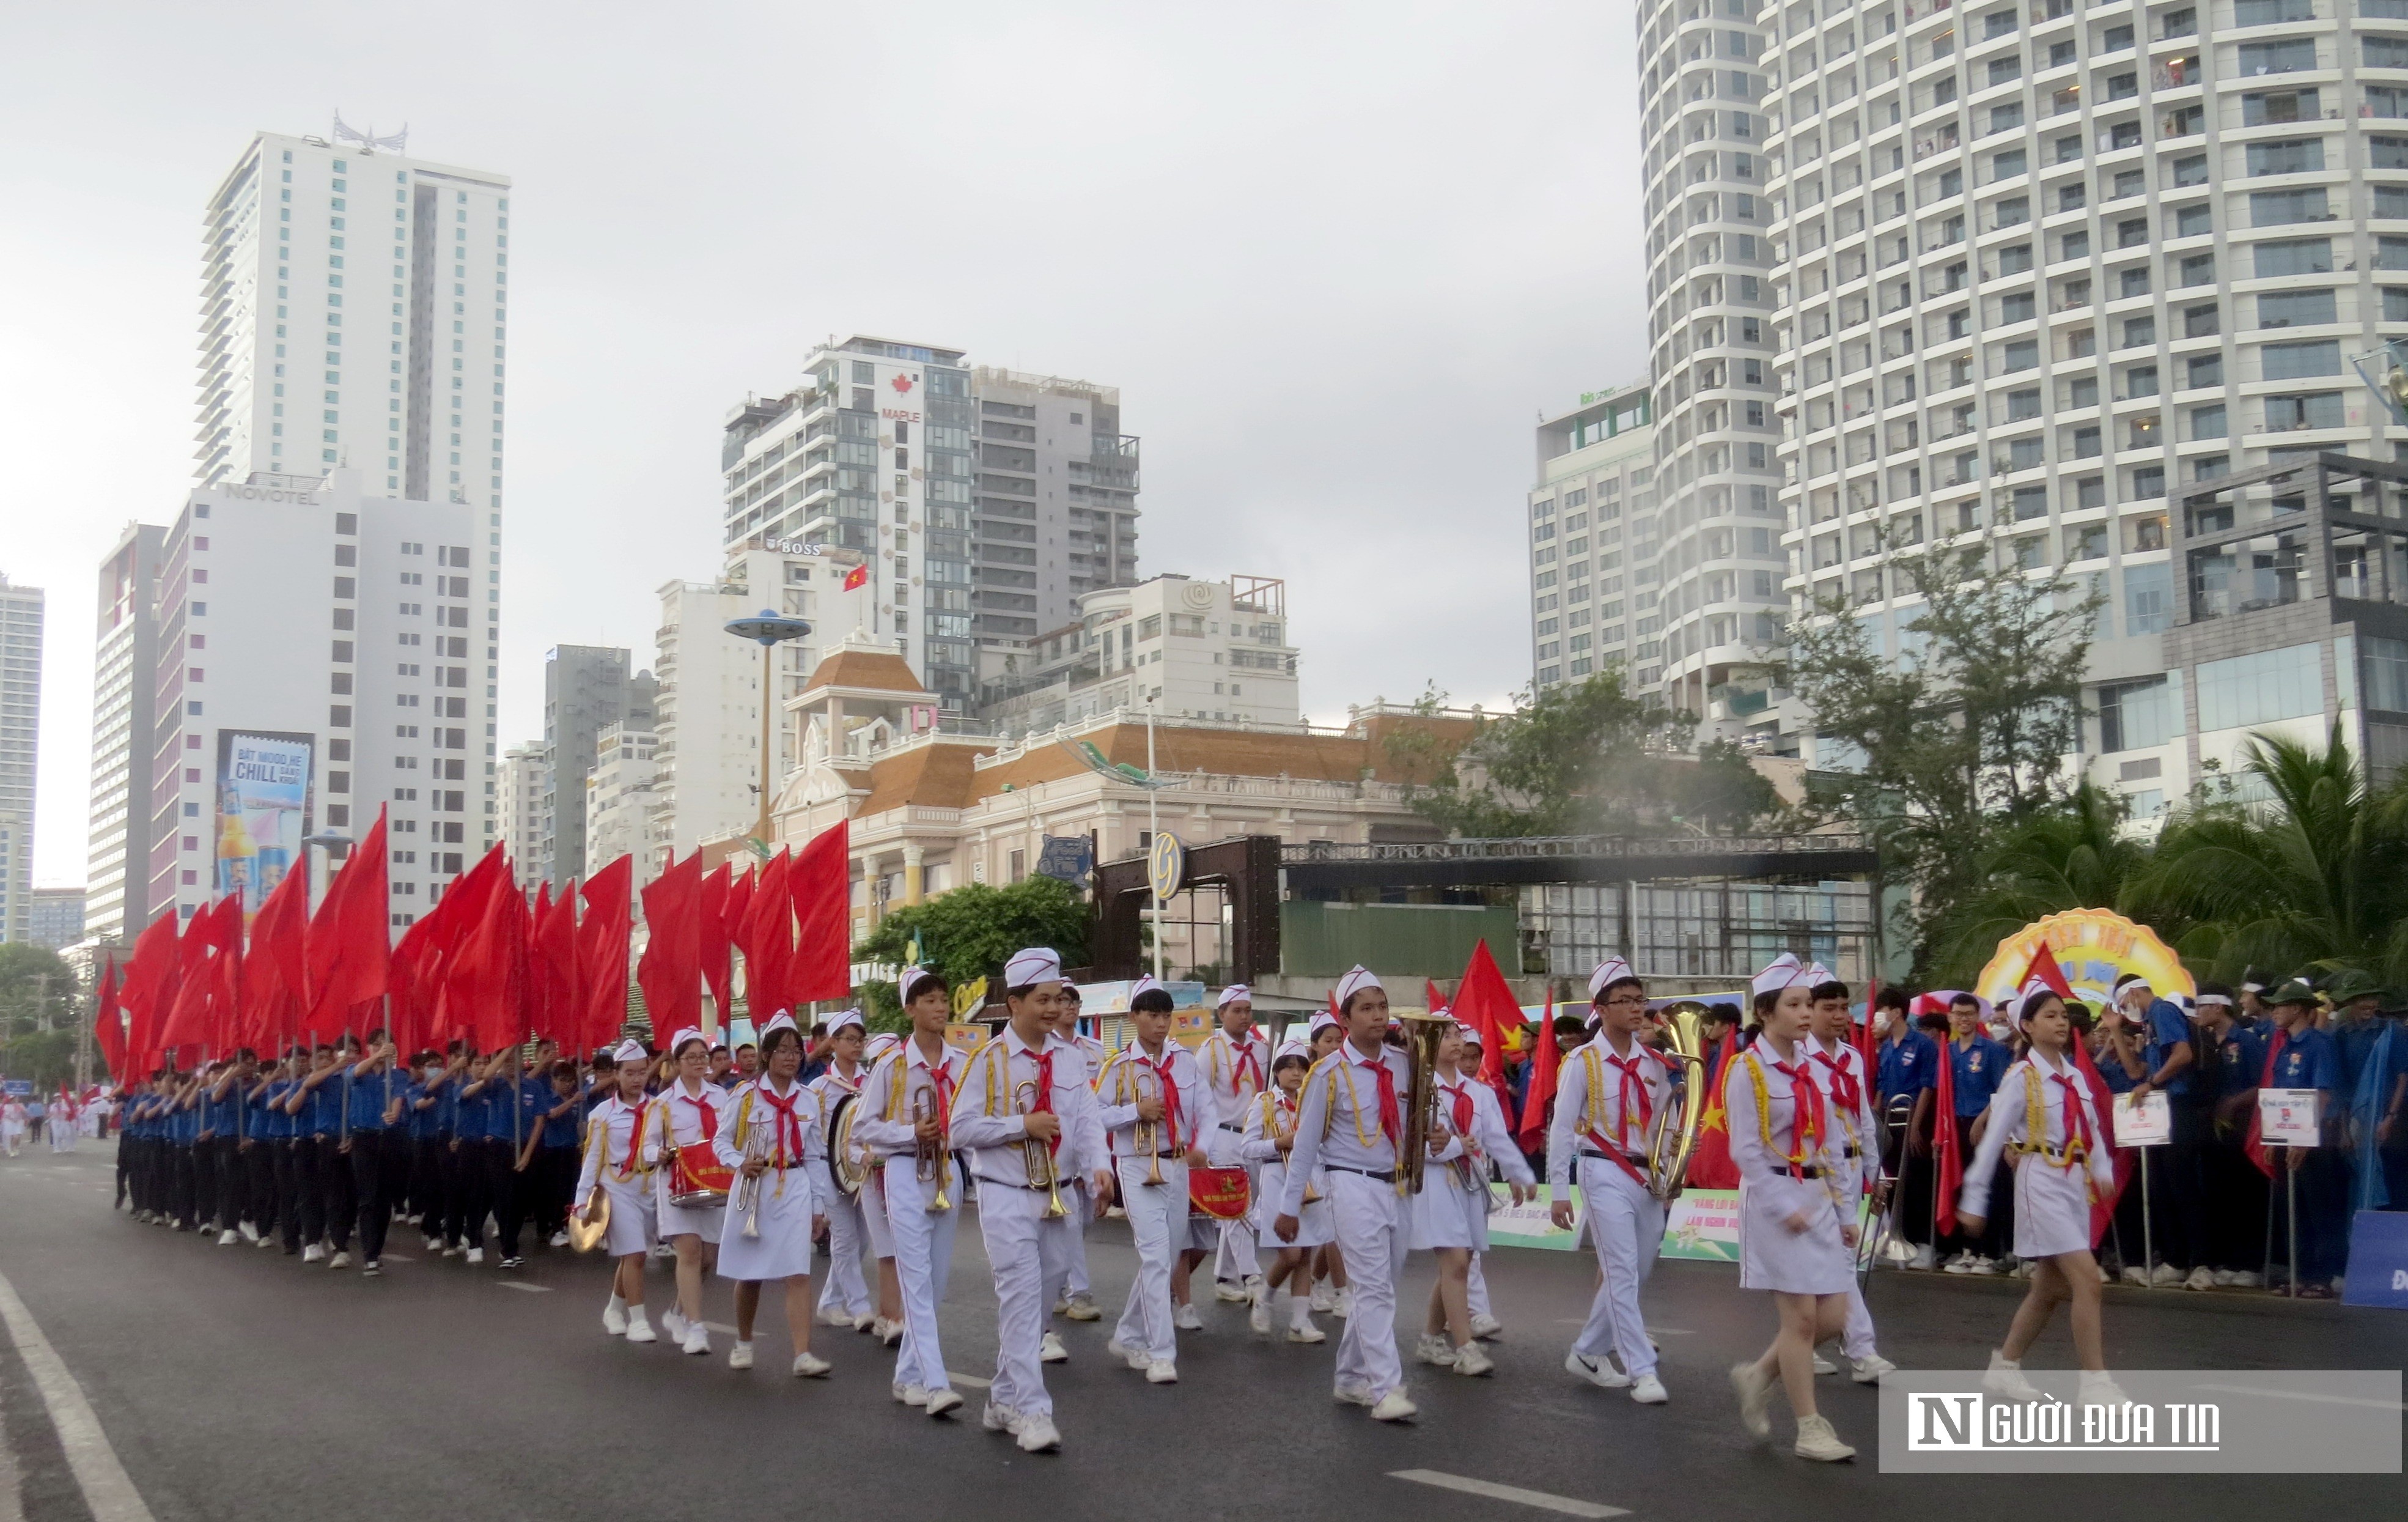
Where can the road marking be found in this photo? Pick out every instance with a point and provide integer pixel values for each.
(1652, 1331)
(394, 1257)
(1540, 1499)
(971, 1380)
(721, 1326)
(12, 1505)
(2303, 1395)
(107, 1490)
(527, 1289)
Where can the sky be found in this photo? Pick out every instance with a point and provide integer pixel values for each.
(1337, 257)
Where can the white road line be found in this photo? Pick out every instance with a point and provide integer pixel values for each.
(394, 1257)
(528, 1289)
(721, 1326)
(971, 1380)
(12, 1505)
(1652, 1331)
(2304, 1395)
(107, 1490)
(1540, 1499)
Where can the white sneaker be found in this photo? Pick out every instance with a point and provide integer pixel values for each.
(1599, 1374)
(2221, 1278)
(2004, 1380)
(1162, 1372)
(1870, 1368)
(2201, 1277)
(1922, 1258)
(1321, 1299)
(809, 1365)
(1038, 1435)
(996, 1418)
(1395, 1407)
(1352, 1394)
(1817, 1440)
(2098, 1388)
(640, 1329)
(615, 1316)
(1487, 1327)
(889, 1332)
(1649, 1391)
(2248, 1278)
(912, 1394)
(1345, 1306)
(1223, 1290)
(697, 1339)
(1979, 1265)
(1258, 1319)
(558, 1238)
(741, 1356)
(1433, 1348)
(2167, 1276)
(1188, 1318)
(313, 1253)
(1470, 1358)
(430, 1245)
(942, 1401)
(2135, 1274)
(1961, 1263)
(867, 1321)
(476, 1255)
(1824, 1366)
(673, 1322)
(1753, 1388)
(227, 1239)
(1049, 1350)
(341, 1261)
(1082, 1307)
(249, 1232)
(1307, 1332)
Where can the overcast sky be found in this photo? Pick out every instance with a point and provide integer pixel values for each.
(1337, 257)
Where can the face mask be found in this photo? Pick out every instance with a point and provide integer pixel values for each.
(432, 1073)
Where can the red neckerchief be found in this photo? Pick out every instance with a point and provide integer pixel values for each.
(1630, 1087)
(634, 1140)
(1169, 1092)
(709, 1120)
(1044, 1102)
(787, 1125)
(1243, 1062)
(1807, 1121)
(1391, 1123)
(1460, 1111)
(2273, 1054)
(1844, 1083)
(2077, 1116)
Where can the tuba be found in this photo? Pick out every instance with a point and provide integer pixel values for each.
(1423, 1033)
(748, 1189)
(1668, 1152)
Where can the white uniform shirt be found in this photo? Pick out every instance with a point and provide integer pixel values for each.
(1482, 1142)
(1595, 1082)
(677, 1116)
(1836, 1068)
(2011, 1123)
(1338, 1120)
(749, 1108)
(609, 1132)
(1131, 1075)
(988, 1110)
(1760, 1165)
(894, 1086)
(1234, 1071)
(1092, 1153)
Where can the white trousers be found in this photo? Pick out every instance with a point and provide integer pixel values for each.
(1371, 1228)
(1627, 1224)
(923, 1256)
(1856, 1338)
(848, 1236)
(1066, 1264)
(1476, 1287)
(1020, 1243)
(1157, 1215)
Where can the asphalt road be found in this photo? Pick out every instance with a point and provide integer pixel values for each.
(231, 1382)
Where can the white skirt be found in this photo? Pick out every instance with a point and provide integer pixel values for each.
(784, 1248)
(630, 1231)
(2052, 1209)
(677, 1222)
(1771, 1256)
(1312, 1228)
(1445, 1215)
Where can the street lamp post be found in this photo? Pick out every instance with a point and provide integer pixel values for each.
(768, 630)
(332, 844)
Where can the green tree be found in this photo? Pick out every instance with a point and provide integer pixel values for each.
(1963, 736)
(40, 1004)
(2076, 856)
(969, 933)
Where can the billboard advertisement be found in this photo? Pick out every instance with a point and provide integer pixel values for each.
(263, 789)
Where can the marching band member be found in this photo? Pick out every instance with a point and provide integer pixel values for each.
(1848, 1092)
(1068, 1289)
(906, 1116)
(1271, 1132)
(1606, 1102)
(886, 1321)
(1475, 1280)
(615, 1159)
(1022, 1115)
(1794, 1238)
(2045, 1109)
(772, 1237)
(1349, 1122)
(845, 1302)
(1324, 1264)
(1150, 1096)
(1450, 1214)
(688, 1112)
(12, 1125)
(1235, 1060)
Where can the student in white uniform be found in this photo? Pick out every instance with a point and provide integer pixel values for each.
(1020, 1114)
(907, 1110)
(1066, 1289)
(614, 1159)
(1794, 1238)
(886, 1325)
(1324, 1264)
(62, 1127)
(2045, 1109)
(1450, 1214)
(12, 1125)
(1270, 1131)
(1848, 1092)
(1236, 1060)
(845, 1302)
(774, 1140)
(1350, 1123)
(1149, 1101)
(1484, 1324)
(690, 1111)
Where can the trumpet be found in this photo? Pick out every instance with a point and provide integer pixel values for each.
(1039, 1154)
(932, 1161)
(1148, 1133)
(748, 1186)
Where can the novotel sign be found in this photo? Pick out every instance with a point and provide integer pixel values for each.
(269, 493)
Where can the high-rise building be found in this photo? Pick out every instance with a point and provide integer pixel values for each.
(21, 724)
(1595, 487)
(621, 800)
(585, 689)
(1215, 651)
(58, 919)
(394, 272)
(124, 716)
(522, 801)
(2046, 270)
(1057, 484)
(1709, 622)
(318, 660)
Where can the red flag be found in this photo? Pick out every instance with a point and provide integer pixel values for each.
(350, 939)
(821, 884)
(277, 971)
(1869, 1040)
(712, 934)
(559, 976)
(767, 936)
(444, 978)
(856, 578)
(2102, 1212)
(203, 964)
(1538, 1099)
(109, 1026)
(150, 988)
(2044, 968)
(485, 979)
(1710, 1161)
(2255, 1144)
(670, 971)
(602, 953)
(1945, 1158)
(1483, 1001)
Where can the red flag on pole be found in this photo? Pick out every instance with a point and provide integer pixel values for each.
(276, 971)
(109, 1026)
(559, 976)
(1538, 1099)
(712, 934)
(350, 939)
(819, 883)
(602, 953)
(2044, 968)
(2102, 1212)
(149, 987)
(1483, 1001)
(1947, 1160)
(204, 966)
(768, 937)
(1710, 1161)
(856, 578)
(670, 971)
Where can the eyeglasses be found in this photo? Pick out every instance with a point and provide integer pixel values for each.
(1626, 1002)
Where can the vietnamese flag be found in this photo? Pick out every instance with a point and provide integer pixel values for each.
(2044, 968)
(1710, 1161)
(1485, 1002)
(857, 579)
(1539, 1100)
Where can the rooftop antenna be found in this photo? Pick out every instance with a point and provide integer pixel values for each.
(369, 142)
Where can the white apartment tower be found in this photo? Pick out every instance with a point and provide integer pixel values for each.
(521, 794)
(1057, 485)
(125, 719)
(1702, 619)
(2042, 262)
(1595, 486)
(21, 716)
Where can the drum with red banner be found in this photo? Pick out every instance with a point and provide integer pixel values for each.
(698, 1179)
(1221, 1193)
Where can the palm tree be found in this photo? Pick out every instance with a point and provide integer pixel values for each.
(2075, 858)
(2316, 875)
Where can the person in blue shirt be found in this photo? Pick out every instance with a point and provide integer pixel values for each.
(427, 1116)
(514, 1103)
(1976, 1064)
(454, 1160)
(2151, 1040)
(473, 1197)
(1906, 1075)
(548, 1163)
(2231, 1059)
(183, 1132)
(123, 1097)
(223, 1116)
(272, 1135)
(312, 1104)
(2303, 1056)
(373, 1145)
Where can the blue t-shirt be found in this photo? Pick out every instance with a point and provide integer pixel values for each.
(221, 1117)
(1976, 1068)
(564, 1130)
(321, 1108)
(2168, 1028)
(2354, 1042)
(1908, 1065)
(2307, 1060)
(367, 1095)
(2236, 1062)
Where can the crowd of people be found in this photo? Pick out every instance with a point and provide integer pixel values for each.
(58, 1120)
(746, 1165)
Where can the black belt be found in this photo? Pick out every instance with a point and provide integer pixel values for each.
(1227, 1126)
(1387, 1177)
(1605, 1156)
